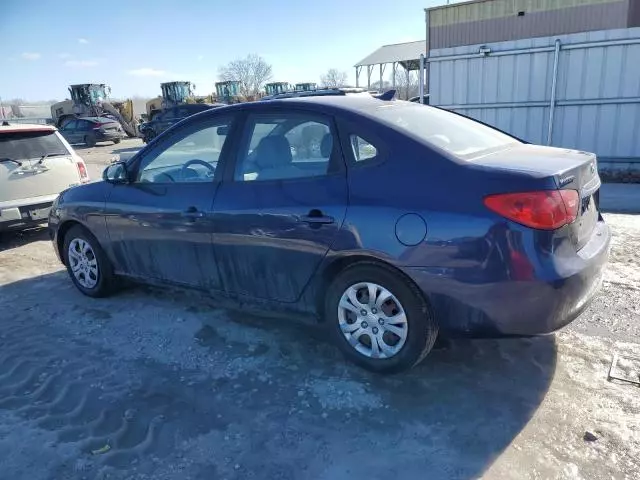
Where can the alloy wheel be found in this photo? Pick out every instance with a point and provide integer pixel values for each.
(83, 263)
(372, 320)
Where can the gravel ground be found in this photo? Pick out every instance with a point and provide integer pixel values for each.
(153, 384)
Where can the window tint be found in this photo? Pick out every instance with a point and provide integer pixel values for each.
(193, 158)
(284, 146)
(70, 125)
(453, 133)
(28, 145)
(362, 150)
(85, 125)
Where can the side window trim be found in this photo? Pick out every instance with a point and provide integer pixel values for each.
(243, 136)
(183, 132)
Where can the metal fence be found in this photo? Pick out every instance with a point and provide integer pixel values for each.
(40, 114)
(577, 91)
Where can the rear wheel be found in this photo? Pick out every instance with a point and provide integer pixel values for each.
(87, 264)
(90, 140)
(379, 319)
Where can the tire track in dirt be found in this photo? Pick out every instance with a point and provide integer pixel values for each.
(64, 390)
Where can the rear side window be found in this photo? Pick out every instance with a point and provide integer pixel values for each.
(461, 136)
(362, 150)
(30, 145)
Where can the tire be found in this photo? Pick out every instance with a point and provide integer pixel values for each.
(419, 330)
(116, 141)
(90, 140)
(98, 284)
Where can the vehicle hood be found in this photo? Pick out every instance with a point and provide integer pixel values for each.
(87, 194)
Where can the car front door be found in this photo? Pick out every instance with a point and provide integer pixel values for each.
(281, 205)
(160, 224)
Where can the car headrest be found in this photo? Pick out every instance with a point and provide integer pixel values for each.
(273, 151)
(326, 145)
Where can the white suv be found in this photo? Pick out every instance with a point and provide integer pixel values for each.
(36, 164)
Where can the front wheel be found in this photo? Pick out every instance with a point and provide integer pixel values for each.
(87, 264)
(379, 318)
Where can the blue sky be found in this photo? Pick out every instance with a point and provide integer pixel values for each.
(135, 45)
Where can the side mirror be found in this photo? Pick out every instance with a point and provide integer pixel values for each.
(116, 173)
(223, 130)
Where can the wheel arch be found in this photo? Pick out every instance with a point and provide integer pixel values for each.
(63, 229)
(338, 264)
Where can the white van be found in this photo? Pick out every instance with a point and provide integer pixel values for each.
(36, 164)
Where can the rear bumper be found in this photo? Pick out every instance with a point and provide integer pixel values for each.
(109, 136)
(516, 307)
(23, 213)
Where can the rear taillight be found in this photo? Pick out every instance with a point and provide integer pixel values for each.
(82, 171)
(543, 210)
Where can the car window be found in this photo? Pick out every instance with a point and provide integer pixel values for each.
(192, 158)
(70, 125)
(362, 150)
(284, 146)
(28, 145)
(84, 125)
(453, 133)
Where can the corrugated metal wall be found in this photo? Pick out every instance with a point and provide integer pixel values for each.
(597, 103)
(499, 20)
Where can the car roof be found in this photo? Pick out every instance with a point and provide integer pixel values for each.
(361, 103)
(7, 127)
(99, 119)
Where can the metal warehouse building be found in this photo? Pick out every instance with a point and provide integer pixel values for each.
(485, 21)
(557, 72)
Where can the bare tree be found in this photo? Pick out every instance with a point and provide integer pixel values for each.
(333, 78)
(406, 84)
(252, 72)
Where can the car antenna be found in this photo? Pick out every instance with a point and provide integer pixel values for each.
(386, 96)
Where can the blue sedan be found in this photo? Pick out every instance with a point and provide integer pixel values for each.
(390, 222)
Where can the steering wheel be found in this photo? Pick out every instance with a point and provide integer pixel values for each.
(196, 161)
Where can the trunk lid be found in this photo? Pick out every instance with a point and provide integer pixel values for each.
(570, 169)
(33, 164)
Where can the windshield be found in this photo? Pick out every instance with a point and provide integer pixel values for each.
(28, 145)
(177, 92)
(98, 94)
(453, 133)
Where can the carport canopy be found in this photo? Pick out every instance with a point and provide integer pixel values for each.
(405, 54)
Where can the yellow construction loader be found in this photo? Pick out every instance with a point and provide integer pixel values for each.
(91, 100)
(173, 94)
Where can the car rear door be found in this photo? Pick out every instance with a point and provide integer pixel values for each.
(281, 205)
(160, 224)
(83, 128)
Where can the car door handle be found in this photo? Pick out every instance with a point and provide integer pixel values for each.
(192, 212)
(317, 218)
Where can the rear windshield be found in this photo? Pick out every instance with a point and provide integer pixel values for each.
(453, 133)
(29, 145)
